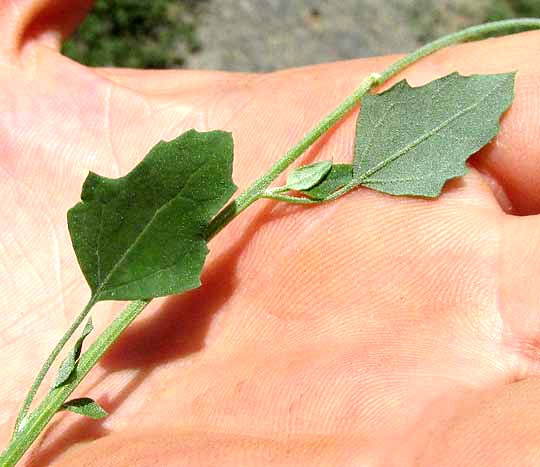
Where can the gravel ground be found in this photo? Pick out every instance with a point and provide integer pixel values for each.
(264, 35)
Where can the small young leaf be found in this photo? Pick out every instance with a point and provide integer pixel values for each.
(142, 235)
(85, 406)
(339, 176)
(409, 141)
(307, 176)
(69, 365)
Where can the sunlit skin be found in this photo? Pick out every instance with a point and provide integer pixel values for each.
(370, 331)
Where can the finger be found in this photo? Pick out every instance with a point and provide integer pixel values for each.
(497, 428)
(26, 23)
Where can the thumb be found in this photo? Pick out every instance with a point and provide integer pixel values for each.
(26, 24)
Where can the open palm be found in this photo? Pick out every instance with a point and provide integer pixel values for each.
(373, 330)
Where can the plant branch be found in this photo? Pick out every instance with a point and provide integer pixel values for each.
(466, 35)
(256, 189)
(36, 422)
(46, 366)
(290, 199)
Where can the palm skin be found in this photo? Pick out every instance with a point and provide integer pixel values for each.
(373, 330)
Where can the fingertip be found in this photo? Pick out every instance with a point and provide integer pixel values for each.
(27, 23)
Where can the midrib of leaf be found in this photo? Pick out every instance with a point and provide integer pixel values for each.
(393, 180)
(423, 137)
(142, 232)
(98, 244)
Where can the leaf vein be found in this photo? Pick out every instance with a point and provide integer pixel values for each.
(143, 277)
(103, 287)
(98, 244)
(425, 136)
(371, 138)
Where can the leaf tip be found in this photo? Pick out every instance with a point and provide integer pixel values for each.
(85, 406)
(307, 176)
(89, 186)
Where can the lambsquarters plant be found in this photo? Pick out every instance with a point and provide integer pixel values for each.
(145, 235)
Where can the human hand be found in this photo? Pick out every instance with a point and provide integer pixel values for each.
(373, 330)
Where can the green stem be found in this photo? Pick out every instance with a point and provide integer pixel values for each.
(256, 189)
(45, 368)
(53, 402)
(36, 422)
(290, 199)
(466, 35)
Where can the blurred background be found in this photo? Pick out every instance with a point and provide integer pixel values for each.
(264, 35)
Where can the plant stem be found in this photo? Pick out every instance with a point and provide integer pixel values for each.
(290, 199)
(466, 35)
(256, 189)
(36, 422)
(45, 368)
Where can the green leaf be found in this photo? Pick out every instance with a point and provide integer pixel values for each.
(306, 176)
(338, 176)
(85, 406)
(142, 235)
(409, 141)
(69, 365)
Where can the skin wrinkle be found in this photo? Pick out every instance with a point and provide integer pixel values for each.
(138, 118)
(108, 129)
(199, 108)
(22, 254)
(16, 182)
(4, 268)
(26, 257)
(58, 268)
(155, 83)
(307, 227)
(513, 360)
(237, 114)
(45, 210)
(520, 335)
(42, 306)
(218, 106)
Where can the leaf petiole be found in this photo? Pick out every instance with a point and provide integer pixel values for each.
(288, 199)
(257, 188)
